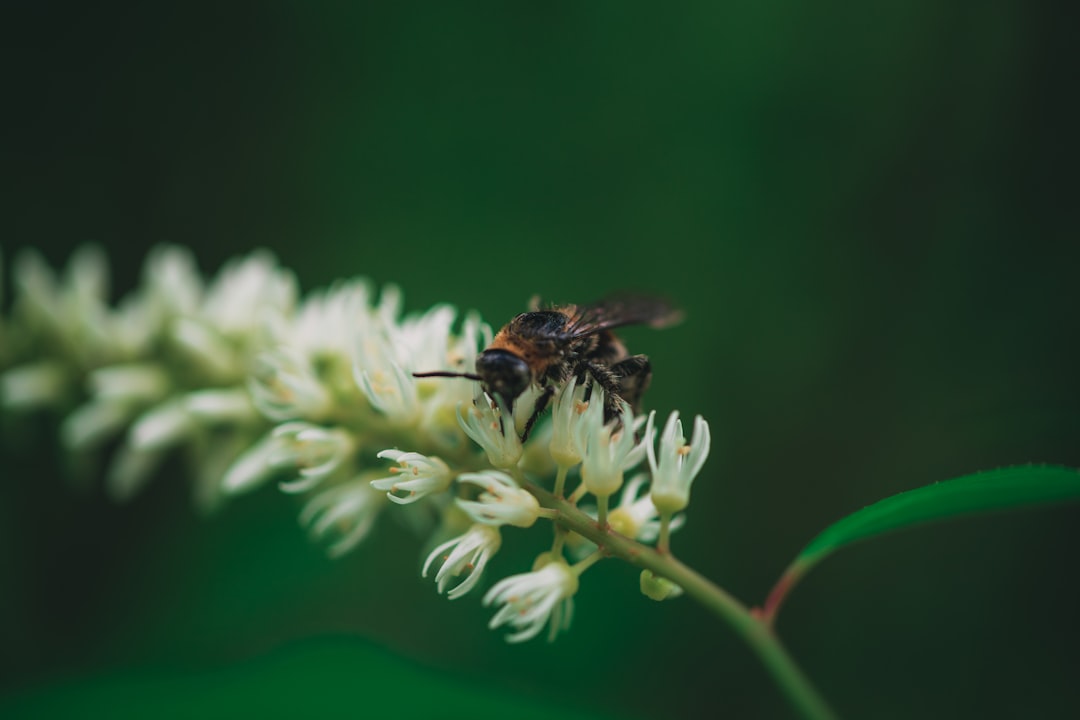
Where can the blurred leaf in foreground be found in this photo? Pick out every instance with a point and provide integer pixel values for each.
(324, 678)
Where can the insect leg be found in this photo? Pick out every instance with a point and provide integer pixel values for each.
(634, 374)
(605, 378)
(541, 405)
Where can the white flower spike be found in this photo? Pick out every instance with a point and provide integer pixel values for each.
(252, 383)
(530, 600)
(415, 476)
(471, 553)
(677, 462)
(502, 502)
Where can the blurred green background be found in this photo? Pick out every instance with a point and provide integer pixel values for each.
(868, 211)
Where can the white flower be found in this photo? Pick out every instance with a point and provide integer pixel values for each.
(391, 390)
(606, 450)
(536, 457)
(471, 552)
(171, 288)
(285, 386)
(224, 405)
(232, 320)
(329, 322)
(118, 394)
(311, 368)
(315, 452)
(524, 405)
(421, 342)
(387, 356)
(134, 326)
(416, 475)
(212, 454)
(207, 348)
(73, 312)
(483, 421)
(636, 517)
(347, 511)
(529, 600)
(461, 357)
(566, 413)
(172, 281)
(502, 501)
(678, 462)
(37, 384)
(149, 437)
(143, 382)
(251, 468)
(161, 427)
(245, 292)
(94, 422)
(129, 470)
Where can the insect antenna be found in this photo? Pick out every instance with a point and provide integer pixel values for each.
(446, 373)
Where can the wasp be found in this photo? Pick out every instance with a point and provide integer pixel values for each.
(546, 347)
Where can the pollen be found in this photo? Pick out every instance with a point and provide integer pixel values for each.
(580, 406)
(684, 450)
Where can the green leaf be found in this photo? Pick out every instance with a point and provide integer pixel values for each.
(314, 679)
(1011, 487)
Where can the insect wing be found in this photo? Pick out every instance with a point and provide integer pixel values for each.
(618, 311)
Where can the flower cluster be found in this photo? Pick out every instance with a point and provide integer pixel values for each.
(255, 385)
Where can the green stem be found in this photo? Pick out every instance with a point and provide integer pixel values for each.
(579, 493)
(580, 567)
(757, 634)
(560, 539)
(560, 481)
(663, 544)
